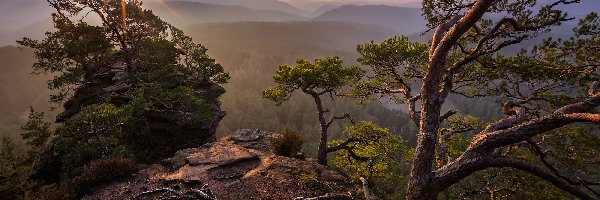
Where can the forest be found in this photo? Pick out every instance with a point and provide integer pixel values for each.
(475, 99)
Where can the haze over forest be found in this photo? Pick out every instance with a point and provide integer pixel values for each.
(282, 31)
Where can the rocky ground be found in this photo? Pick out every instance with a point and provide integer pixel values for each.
(238, 167)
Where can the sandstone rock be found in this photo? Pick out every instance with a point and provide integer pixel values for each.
(247, 135)
(232, 169)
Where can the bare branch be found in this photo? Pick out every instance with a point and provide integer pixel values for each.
(365, 185)
(447, 115)
(442, 156)
(487, 142)
(345, 116)
(346, 146)
(412, 111)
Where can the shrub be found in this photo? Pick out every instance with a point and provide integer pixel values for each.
(310, 179)
(289, 144)
(14, 170)
(94, 174)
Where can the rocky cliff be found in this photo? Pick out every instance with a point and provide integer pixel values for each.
(236, 167)
(165, 129)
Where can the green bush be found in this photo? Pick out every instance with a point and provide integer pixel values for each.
(310, 180)
(289, 144)
(14, 170)
(96, 173)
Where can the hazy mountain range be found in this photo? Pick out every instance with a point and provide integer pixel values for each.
(30, 18)
(182, 13)
(401, 19)
(257, 4)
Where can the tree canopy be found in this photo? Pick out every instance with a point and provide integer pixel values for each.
(324, 76)
(541, 90)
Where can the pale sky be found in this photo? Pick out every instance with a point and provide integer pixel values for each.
(349, 1)
(313, 4)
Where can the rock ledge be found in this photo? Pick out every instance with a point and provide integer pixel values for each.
(236, 167)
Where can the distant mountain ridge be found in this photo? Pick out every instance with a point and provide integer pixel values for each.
(401, 19)
(323, 9)
(315, 5)
(274, 5)
(183, 13)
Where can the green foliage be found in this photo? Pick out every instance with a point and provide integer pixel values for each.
(395, 52)
(503, 183)
(457, 144)
(94, 174)
(384, 158)
(311, 180)
(323, 76)
(96, 132)
(374, 143)
(179, 99)
(393, 63)
(574, 151)
(73, 51)
(14, 169)
(288, 144)
(36, 130)
(78, 52)
(463, 122)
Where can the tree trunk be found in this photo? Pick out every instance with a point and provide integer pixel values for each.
(434, 90)
(322, 151)
(419, 185)
(420, 182)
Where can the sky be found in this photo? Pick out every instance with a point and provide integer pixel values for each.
(303, 3)
(346, 1)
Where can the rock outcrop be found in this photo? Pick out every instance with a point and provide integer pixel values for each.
(236, 167)
(165, 131)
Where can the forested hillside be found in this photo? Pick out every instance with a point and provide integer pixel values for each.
(251, 64)
(401, 19)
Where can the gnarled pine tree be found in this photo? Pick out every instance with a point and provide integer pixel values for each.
(130, 83)
(550, 87)
(325, 77)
